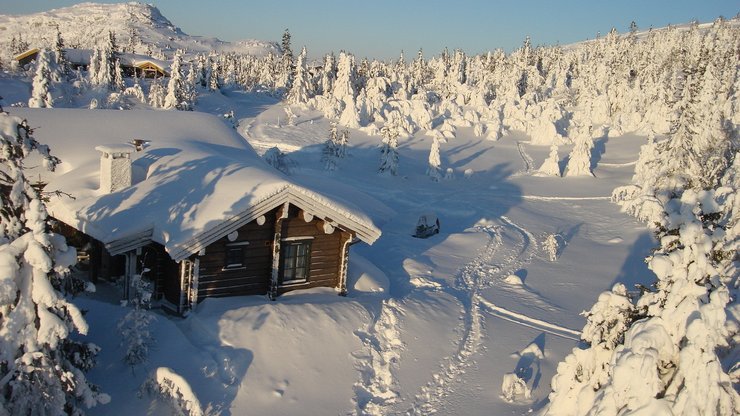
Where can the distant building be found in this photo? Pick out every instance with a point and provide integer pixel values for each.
(141, 65)
(27, 57)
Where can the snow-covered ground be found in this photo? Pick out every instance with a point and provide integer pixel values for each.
(430, 325)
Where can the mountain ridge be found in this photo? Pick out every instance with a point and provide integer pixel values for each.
(85, 25)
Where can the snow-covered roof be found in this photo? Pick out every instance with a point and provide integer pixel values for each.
(115, 148)
(197, 181)
(83, 56)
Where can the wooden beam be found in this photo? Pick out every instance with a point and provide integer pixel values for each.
(282, 214)
(329, 227)
(307, 217)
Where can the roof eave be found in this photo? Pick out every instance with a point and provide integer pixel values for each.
(364, 231)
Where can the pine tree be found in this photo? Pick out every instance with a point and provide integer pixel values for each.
(344, 83)
(551, 165)
(60, 55)
(104, 77)
(176, 87)
(389, 150)
(301, 90)
(330, 152)
(434, 170)
(94, 67)
(118, 84)
(40, 95)
(156, 94)
(42, 369)
(213, 73)
(579, 161)
(342, 144)
(286, 73)
(328, 75)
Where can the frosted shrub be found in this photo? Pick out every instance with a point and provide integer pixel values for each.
(290, 116)
(136, 337)
(551, 246)
(333, 149)
(551, 165)
(514, 387)
(279, 160)
(173, 390)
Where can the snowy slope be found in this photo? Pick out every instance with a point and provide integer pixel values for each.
(85, 24)
(430, 325)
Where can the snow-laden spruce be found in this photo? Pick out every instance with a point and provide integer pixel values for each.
(42, 369)
(40, 93)
(681, 335)
(551, 165)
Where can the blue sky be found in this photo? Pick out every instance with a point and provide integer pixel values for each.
(382, 28)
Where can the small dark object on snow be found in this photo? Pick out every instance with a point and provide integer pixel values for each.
(427, 226)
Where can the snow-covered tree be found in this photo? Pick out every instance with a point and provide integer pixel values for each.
(40, 94)
(136, 336)
(330, 152)
(344, 83)
(350, 117)
(174, 391)
(176, 89)
(156, 94)
(579, 161)
(41, 367)
(301, 90)
(551, 165)
(328, 75)
(551, 245)
(118, 84)
(434, 168)
(60, 55)
(389, 150)
(212, 73)
(279, 160)
(342, 144)
(285, 70)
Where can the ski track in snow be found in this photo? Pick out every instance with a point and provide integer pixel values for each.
(533, 323)
(566, 198)
(377, 390)
(470, 280)
(494, 262)
(526, 158)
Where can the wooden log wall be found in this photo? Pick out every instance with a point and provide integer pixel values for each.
(253, 277)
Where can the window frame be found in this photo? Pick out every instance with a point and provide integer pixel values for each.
(229, 261)
(291, 263)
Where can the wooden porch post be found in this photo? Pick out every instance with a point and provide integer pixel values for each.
(281, 215)
(186, 275)
(130, 270)
(345, 264)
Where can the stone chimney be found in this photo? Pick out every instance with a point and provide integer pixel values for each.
(115, 167)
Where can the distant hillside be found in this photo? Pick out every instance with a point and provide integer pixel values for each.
(84, 25)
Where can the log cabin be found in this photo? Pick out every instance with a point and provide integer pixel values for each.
(132, 64)
(194, 208)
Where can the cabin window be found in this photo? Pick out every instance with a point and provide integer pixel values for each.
(235, 255)
(296, 259)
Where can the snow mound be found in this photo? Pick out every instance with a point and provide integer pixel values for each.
(513, 279)
(363, 276)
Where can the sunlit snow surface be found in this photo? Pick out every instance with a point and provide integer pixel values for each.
(430, 324)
